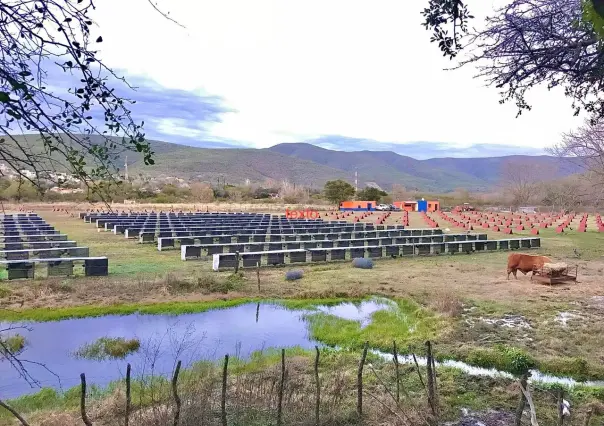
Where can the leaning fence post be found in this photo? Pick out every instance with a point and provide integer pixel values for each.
(127, 415)
(521, 402)
(225, 368)
(281, 386)
(175, 393)
(85, 418)
(397, 372)
(360, 381)
(318, 391)
(14, 413)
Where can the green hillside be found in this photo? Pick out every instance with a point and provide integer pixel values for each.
(309, 165)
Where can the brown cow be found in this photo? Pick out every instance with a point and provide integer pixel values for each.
(525, 263)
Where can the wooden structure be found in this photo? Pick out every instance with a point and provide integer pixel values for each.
(555, 273)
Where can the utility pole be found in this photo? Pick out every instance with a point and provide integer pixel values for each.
(356, 180)
(126, 169)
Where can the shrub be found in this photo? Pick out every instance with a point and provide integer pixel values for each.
(361, 262)
(294, 274)
(108, 348)
(211, 284)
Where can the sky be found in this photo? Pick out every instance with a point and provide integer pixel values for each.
(263, 72)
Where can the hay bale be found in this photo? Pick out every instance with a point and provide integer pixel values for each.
(361, 262)
(555, 267)
(294, 274)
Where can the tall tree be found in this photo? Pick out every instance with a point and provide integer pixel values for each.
(521, 179)
(337, 191)
(585, 148)
(564, 194)
(527, 43)
(371, 193)
(399, 192)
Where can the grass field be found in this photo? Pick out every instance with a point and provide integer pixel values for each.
(483, 313)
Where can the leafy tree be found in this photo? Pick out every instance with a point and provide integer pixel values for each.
(82, 130)
(337, 191)
(527, 43)
(371, 193)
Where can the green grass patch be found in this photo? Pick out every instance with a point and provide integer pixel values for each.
(575, 367)
(12, 344)
(108, 348)
(171, 308)
(406, 323)
(501, 357)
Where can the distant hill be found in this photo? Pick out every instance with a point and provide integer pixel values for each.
(435, 174)
(310, 165)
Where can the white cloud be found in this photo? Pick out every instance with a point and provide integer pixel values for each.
(294, 70)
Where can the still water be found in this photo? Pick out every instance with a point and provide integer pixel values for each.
(236, 331)
(210, 335)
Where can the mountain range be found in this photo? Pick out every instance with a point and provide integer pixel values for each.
(311, 165)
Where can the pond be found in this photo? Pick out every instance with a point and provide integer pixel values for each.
(164, 339)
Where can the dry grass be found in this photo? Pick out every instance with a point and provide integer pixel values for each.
(446, 303)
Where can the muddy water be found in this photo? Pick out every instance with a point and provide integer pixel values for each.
(164, 339)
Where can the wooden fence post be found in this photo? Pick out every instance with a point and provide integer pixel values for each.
(560, 407)
(318, 391)
(281, 386)
(397, 371)
(85, 418)
(225, 369)
(521, 402)
(258, 275)
(175, 393)
(127, 415)
(360, 381)
(237, 256)
(430, 379)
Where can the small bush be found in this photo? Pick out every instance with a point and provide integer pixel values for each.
(108, 348)
(446, 303)
(294, 274)
(361, 262)
(210, 283)
(13, 344)
(176, 284)
(62, 287)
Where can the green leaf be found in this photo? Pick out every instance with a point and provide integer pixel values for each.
(4, 97)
